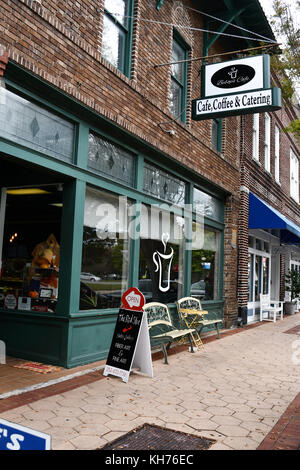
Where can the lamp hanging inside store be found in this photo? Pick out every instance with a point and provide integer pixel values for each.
(236, 87)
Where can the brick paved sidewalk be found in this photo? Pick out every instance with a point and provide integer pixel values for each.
(237, 391)
(285, 435)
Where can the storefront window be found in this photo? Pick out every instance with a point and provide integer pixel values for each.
(27, 124)
(30, 244)
(161, 269)
(105, 250)
(205, 265)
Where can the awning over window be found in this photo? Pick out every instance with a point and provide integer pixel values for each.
(263, 216)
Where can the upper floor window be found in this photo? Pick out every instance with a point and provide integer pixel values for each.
(255, 137)
(277, 153)
(116, 35)
(267, 142)
(178, 78)
(294, 176)
(216, 134)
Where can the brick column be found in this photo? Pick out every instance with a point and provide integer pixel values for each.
(230, 311)
(242, 286)
(282, 278)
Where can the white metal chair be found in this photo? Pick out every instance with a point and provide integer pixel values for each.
(272, 308)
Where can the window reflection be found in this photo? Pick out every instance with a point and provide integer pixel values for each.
(115, 33)
(113, 43)
(161, 256)
(118, 8)
(205, 265)
(105, 251)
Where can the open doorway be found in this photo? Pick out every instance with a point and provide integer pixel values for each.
(30, 226)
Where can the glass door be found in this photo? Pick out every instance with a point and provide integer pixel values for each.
(259, 265)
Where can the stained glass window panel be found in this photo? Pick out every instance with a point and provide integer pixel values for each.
(163, 185)
(109, 159)
(27, 124)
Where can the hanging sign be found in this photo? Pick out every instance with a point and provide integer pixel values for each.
(17, 437)
(130, 346)
(251, 73)
(236, 87)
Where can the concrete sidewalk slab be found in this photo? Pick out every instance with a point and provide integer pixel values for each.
(234, 391)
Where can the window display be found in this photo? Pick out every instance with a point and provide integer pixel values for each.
(31, 251)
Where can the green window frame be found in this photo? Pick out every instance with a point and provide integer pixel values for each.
(178, 88)
(117, 34)
(216, 134)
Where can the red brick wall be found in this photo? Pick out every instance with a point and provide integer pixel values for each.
(61, 43)
(255, 178)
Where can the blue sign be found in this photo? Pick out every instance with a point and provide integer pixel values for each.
(17, 437)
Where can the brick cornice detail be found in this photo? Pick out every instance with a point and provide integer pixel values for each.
(3, 61)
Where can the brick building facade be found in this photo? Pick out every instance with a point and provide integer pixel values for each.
(118, 124)
(268, 174)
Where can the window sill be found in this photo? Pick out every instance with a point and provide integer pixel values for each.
(256, 161)
(268, 172)
(295, 200)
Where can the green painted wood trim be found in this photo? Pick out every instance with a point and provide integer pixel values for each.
(232, 15)
(219, 134)
(267, 71)
(89, 339)
(188, 242)
(139, 173)
(128, 58)
(69, 170)
(82, 145)
(35, 337)
(25, 81)
(221, 267)
(134, 250)
(71, 247)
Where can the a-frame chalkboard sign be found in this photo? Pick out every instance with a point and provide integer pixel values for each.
(130, 346)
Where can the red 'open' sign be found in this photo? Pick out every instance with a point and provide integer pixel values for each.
(133, 299)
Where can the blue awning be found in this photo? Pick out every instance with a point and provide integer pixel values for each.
(263, 216)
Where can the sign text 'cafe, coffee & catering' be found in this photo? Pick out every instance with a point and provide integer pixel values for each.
(236, 87)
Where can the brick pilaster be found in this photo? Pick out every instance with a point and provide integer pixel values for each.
(242, 293)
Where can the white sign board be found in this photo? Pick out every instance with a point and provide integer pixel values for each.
(235, 76)
(236, 104)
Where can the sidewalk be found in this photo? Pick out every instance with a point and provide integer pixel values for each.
(236, 392)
